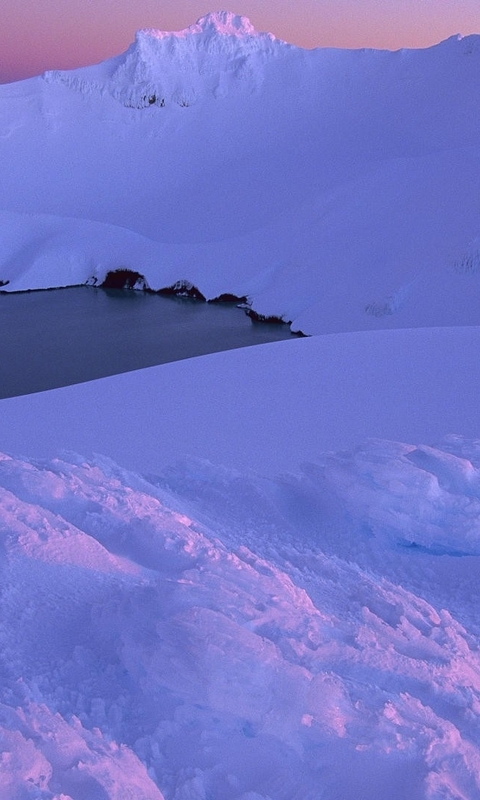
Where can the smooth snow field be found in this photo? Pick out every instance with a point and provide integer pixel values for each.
(253, 574)
(61, 337)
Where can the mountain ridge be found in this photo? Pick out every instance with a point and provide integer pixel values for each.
(220, 52)
(223, 23)
(324, 185)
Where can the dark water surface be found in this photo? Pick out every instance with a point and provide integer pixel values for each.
(63, 336)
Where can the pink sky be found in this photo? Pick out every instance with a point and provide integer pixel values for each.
(50, 34)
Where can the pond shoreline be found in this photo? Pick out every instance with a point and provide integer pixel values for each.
(57, 337)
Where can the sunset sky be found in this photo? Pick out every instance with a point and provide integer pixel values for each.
(50, 34)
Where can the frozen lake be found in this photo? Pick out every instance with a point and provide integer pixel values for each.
(64, 336)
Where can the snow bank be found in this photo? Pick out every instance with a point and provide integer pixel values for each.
(225, 652)
(266, 408)
(45, 251)
(203, 632)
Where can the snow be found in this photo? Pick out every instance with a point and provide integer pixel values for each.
(266, 408)
(325, 185)
(219, 51)
(224, 648)
(236, 632)
(266, 588)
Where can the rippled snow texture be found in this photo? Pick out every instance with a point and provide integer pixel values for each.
(205, 633)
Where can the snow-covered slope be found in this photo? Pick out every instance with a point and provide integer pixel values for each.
(220, 53)
(335, 188)
(207, 633)
(267, 408)
(190, 631)
(218, 627)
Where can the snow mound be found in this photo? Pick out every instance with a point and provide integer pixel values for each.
(199, 640)
(416, 497)
(43, 251)
(220, 52)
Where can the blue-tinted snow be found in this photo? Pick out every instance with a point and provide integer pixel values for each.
(199, 629)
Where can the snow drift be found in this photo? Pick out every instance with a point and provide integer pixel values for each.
(204, 633)
(336, 189)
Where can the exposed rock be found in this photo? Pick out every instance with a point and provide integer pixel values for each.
(228, 298)
(124, 279)
(273, 320)
(183, 289)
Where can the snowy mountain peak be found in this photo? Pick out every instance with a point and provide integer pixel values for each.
(221, 23)
(220, 53)
(226, 23)
(215, 33)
